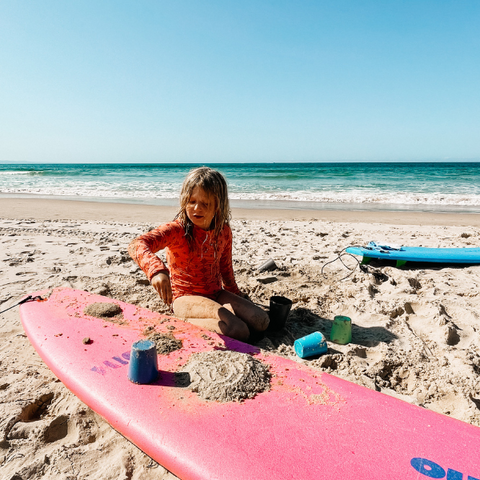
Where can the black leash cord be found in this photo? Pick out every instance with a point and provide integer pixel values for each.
(25, 300)
(342, 253)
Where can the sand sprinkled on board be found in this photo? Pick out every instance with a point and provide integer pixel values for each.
(225, 376)
(165, 344)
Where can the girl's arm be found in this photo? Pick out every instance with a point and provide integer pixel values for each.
(226, 267)
(143, 249)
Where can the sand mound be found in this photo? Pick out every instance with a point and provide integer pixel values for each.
(102, 310)
(225, 376)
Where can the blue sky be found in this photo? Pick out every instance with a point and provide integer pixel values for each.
(239, 81)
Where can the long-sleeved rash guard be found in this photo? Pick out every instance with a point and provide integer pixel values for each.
(204, 270)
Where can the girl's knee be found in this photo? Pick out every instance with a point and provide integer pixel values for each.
(179, 307)
(190, 306)
(260, 320)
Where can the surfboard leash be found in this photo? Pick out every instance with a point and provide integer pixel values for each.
(29, 298)
(363, 268)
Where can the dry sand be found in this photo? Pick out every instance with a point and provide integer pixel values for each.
(415, 329)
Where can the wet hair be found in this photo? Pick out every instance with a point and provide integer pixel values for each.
(213, 183)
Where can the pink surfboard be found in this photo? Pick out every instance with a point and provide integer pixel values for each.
(310, 425)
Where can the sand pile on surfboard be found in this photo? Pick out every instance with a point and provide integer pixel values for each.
(225, 376)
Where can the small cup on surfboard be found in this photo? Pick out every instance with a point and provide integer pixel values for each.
(143, 366)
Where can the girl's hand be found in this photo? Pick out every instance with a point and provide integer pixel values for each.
(161, 283)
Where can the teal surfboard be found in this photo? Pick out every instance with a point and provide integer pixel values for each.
(402, 254)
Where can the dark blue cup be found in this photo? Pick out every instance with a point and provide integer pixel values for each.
(143, 366)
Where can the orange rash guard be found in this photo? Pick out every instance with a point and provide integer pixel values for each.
(205, 270)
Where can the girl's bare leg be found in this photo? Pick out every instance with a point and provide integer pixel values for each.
(244, 309)
(210, 315)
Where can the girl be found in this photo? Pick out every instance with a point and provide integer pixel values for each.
(199, 279)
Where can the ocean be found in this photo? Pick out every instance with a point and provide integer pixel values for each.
(428, 187)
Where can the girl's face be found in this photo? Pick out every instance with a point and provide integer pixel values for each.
(201, 208)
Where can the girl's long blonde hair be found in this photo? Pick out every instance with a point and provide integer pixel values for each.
(213, 183)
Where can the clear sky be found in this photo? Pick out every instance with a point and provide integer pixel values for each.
(239, 81)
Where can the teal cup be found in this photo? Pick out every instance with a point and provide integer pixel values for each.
(310, 345)
(341, 332)
(143, 366)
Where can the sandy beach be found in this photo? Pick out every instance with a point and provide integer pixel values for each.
(415, 328)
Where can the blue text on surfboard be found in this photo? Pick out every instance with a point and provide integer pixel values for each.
(121, 360)
(434, 470)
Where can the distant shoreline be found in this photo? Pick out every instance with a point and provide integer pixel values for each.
(294, 205)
